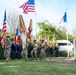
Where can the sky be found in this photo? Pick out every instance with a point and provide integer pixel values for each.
(51, 10)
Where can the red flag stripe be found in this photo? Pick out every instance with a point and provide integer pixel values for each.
(27, 8)
(4, 30)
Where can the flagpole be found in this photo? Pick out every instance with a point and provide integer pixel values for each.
(67, 37)
(67, 40)
(35, 21)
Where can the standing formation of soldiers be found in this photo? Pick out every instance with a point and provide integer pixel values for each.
(17, 50)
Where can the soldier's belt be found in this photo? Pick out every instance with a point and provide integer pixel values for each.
(24, 48)
(6, 48)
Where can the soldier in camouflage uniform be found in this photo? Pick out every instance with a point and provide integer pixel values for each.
(7, 50)
(34, 51)
(24, 53)
(42, 51)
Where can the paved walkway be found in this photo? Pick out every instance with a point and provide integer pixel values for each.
(61, 59)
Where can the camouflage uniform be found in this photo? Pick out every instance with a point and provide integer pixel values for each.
(34, 51)
(25, 52)
(7, 50)
(42, 52)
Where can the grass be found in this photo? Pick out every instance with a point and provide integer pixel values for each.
(20, 67)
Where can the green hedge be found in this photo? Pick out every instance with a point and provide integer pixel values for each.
(64, 54)
(61, 53)
(71, 54)
(1, 52)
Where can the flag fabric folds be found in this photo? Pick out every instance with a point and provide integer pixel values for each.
(17, 37)
(22, 30)
(64, 18)
(17, 32)
(22, 24)
(45, 40)
(30, 29)
(4, 29)
(28, 6)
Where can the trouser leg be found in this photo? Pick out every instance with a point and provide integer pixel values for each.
(35, 55)
(8, 56)
(32, 54)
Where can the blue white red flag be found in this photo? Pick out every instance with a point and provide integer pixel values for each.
(17, 32)
(64, 18)
(17, 37)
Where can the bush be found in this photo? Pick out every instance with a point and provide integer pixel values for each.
(1, 52)
(63, 53)
(71, 54)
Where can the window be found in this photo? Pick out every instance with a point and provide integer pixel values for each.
(62, 44)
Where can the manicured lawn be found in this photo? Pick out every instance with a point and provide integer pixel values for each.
(20, 67)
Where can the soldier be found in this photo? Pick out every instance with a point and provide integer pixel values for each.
(38, 49)
(51, 52)
(34, 51)
(18, 50)
(7, 50)
(13, 50)
(56, 48)
(25, 51)
(42, 52)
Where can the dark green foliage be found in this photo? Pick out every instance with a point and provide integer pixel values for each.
(1, 52)
(63, 53)
(71, 54)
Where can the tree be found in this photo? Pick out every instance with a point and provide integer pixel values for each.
(46, 30)
(61, 33)
(49, 30)
(70, 37)
(74, 32)
(12, 21)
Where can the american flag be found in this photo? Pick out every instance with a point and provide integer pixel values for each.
(4, 29)
(28, 6)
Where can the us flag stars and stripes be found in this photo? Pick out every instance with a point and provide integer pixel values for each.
(28, 6)
(4, 29)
